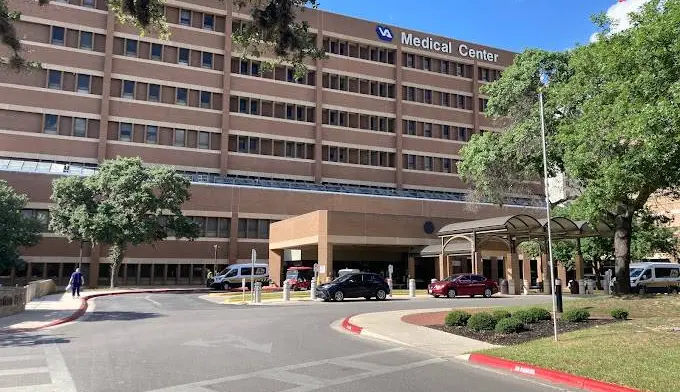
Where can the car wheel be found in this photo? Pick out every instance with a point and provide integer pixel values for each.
(673, 290)
(221, 287)
(488, 293)
(451, 293)
(642, 290)
(339, 295)
(472, 295)
(380, 295)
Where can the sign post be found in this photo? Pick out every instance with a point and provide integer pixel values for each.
(253, 256)
(390, 270)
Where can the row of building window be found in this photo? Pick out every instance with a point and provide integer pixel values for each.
(128, 132)
(67, 81)
(86, 40)
(358, 85)
(254, 228)
(271, 147)
(260, 107)
(212, 227)
(360, 51)
(488, 75)
(433, 97)
(429, 163)
(151, 92)
(82, 3)
(69, 126)
(439, 131)
(196, 19)
(279, 72)
(359, 121)
(40, 215)
(358, 157)
(436, 65)
(167, 53)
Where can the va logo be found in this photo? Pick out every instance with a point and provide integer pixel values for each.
(384, 33)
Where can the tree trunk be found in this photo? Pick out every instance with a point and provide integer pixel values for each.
(623, 230)
(116, 254)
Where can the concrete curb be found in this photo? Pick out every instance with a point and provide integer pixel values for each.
(83, 307)
(346, 324)
(537, 372)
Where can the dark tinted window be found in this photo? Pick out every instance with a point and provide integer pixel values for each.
(477, 278)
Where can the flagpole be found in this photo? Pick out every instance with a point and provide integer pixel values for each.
(547, 213)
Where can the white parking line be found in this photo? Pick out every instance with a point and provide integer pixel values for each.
(152, 301)
(61, 378)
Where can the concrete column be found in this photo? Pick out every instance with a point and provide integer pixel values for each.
(526, 271)
(494, 268)
(204, 274)
(562, 274)
(139, 274)
(165, 274)
(29, 271)
(233, 233)
(276, 265)
(318, 110)
(441, 267)
(44, 271)
(226, 89)
(12, 276)
(325, 254)
(177, 271)
(412, 267)
(152, 277)
(60, 279)
(545, 262)
(512, 273)
(477, 263)
(578, 261)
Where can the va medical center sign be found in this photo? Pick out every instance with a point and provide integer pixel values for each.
(428, 43)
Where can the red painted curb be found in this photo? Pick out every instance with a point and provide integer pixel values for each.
(351, 327)
(83, 307)
(549, 375)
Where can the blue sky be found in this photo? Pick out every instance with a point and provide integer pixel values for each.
(507, 24)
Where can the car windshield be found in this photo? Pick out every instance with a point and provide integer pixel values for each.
(291, 275)
(454, 277)
(343, 278)
(635, 272)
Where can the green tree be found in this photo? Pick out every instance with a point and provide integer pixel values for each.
(122, 204)
(274, 28)
(612, 117)
(16, 230)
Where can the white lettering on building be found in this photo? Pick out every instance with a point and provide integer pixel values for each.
(447, 47)
(477, 54)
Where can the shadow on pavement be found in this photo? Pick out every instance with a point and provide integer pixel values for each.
(118, 316)
(29, 339)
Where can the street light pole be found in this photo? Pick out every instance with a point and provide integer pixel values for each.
(547, 214)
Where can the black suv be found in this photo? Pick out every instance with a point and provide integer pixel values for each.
(355, 285)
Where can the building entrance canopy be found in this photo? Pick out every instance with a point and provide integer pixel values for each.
(503, 234)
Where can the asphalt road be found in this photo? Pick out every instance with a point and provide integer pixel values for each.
(181, 343)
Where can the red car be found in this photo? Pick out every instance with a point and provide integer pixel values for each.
(463, 284)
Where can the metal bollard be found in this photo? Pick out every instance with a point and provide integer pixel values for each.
(312, 289)
(558, 295)
(286, 291)
(258, 292)
(411, 288)
(433, 280)
(389, 284)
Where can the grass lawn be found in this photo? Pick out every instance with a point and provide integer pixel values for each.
(642, 353)
(238, 297)
(405, 292)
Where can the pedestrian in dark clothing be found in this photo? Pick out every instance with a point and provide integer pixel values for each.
(76, 281)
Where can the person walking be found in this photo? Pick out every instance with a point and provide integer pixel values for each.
(76, 281)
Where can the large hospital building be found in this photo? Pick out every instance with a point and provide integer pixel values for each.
(360, 154)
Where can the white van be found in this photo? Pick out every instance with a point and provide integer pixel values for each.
(233, 275)
(655, 277)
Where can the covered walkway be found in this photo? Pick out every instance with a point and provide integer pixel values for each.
(473, 238)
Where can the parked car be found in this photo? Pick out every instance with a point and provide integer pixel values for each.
(233, 275)
(354, 285)
(300, 278)
(463, 284)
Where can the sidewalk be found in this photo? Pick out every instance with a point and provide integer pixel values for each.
(61, 307)
(237, 298)
(390, 327)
